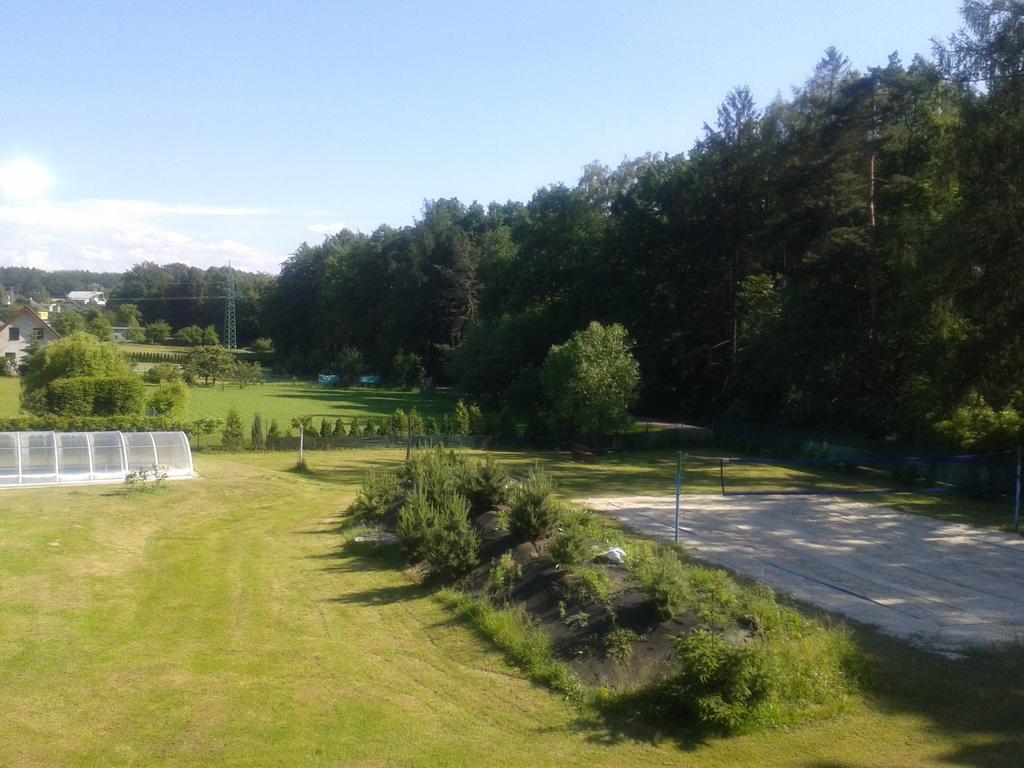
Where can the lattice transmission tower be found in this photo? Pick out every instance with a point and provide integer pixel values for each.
(230, 335)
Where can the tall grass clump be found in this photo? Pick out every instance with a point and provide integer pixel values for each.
(525, 644)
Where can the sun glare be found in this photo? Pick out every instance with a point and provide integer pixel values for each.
(22, 180)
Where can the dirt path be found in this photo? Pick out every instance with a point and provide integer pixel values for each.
(941, 585)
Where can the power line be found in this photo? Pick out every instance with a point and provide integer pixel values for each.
(166, 298)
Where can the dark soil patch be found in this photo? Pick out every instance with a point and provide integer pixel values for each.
(591, 635)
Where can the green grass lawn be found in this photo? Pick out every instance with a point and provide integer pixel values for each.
(219, 622)
(286, 400)
(10, 391)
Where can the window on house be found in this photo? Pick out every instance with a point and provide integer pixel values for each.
(15, 334)
(11, 356)
(37, 334)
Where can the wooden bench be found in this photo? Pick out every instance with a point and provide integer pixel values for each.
(581, 453)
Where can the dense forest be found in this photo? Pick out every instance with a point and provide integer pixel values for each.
(851, 258)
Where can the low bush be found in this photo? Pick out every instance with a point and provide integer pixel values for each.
(162, 372)
(414, 520)
(713, 594)
(439, 473)
(618, 644)
(377, 496)
(95, 396)
(761, 682)
(452, 545)
(573, 543)
(170, 398)
(535, 511)
(591, 583)
(439, 533)
(663, 577)
(505, 573)
(489, 487)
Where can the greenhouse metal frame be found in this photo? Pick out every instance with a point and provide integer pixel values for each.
(30, 459)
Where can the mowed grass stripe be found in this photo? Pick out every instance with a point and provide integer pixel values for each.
(212, 623)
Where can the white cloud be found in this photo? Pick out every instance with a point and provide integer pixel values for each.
(327, 229)
(112, 235)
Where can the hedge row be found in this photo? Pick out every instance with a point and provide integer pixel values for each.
(145, 356)
(96, 396)
(131, 423)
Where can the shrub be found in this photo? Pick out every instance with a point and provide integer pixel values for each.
(476, 420)
(407, 370)
(618, 644)
(438, 533)
(377, 496)
(664, 579)
(339, 428)
(591, 584)
(399, 422)
(505, 573)
(414, 520)
(162, 372)
(263, 344)
(569, 546)
(452, 544)
(439, 472)
(461, 418)
(256, 433)
(273, 431)
(95, 396)
(415, 422)
(232, 438)
(761, 682)
(535, 511)
(489, 487)
(325, 427)
(170, 398)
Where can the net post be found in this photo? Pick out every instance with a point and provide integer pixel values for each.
(721, 474)
(1016, 496)
(301, 440)
(679, 483)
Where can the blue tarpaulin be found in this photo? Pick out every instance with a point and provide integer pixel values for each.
(370, 380)
(329, 378)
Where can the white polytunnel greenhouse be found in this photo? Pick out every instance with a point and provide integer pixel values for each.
(71, 458)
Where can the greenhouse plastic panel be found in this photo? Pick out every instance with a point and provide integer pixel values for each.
(71, 458)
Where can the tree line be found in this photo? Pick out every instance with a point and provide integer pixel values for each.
(848, 258)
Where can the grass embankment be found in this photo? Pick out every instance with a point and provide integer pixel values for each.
(219, 622)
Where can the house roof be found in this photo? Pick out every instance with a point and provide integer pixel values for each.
(29, 311)
(86, 295)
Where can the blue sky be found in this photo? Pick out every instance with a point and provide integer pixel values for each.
(208, 131)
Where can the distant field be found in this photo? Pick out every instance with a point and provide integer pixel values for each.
(286, 400)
